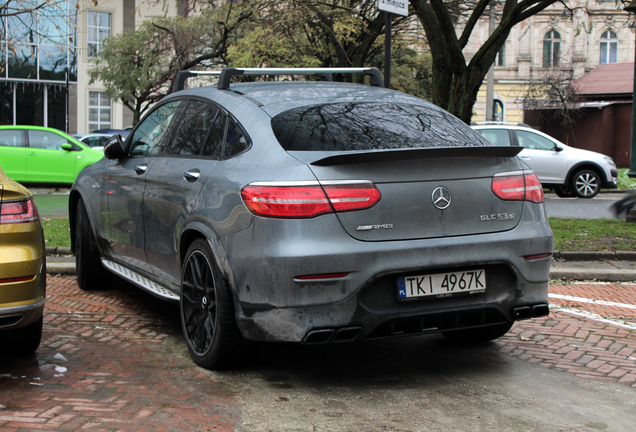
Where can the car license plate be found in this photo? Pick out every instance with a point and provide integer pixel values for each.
(442, 284)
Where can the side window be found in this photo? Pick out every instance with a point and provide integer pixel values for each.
(214, 143)
(498, 137)
(236, 140)
(533, 141)
(150, 134)
(193, 129)
(11, 138)
(45, 140)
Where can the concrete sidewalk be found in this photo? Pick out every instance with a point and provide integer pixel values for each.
(607, 266)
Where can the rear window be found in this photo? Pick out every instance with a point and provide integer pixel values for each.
(371, 126)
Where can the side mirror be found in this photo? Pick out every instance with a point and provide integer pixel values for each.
(67, 146)
(557, 148)
(114, 148)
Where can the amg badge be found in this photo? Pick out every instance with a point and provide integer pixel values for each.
(374, 227)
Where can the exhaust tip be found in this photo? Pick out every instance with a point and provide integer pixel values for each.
(347, 334)
(541, 310)
(316, 337)
(522, 313)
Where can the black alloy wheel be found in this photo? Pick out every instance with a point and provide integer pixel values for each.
(207, 310)
(586, 184)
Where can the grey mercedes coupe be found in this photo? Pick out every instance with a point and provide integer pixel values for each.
(315, 212)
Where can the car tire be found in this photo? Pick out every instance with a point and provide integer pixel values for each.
(91, 274)
(478, 335)
(207, 310)
(27, 339)
(564, 192)
(586, 184)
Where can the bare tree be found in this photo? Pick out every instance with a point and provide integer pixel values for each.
(553, 98)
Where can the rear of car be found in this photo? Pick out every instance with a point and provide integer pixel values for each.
(22, 268)
(413, 224)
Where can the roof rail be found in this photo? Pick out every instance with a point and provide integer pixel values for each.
(182, 76)
(227, 74)
(325, 73)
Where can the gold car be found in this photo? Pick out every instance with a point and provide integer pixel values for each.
(22, 267)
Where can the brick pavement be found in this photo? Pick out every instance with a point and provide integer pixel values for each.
(116, 360)
(110, 360)
(585, 347)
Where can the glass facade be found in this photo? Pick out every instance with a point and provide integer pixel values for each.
(37, 51)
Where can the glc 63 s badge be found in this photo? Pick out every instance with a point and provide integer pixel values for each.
(497, 217)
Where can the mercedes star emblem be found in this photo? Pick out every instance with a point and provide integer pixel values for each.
(441, 198)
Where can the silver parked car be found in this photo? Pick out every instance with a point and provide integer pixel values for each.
(568, 170)
(97, 141)
(314, 212)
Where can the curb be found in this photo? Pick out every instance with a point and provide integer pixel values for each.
(601, 275)
(594, 255)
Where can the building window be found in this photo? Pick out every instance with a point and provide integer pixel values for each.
(98, 111)
(500, 60)
(551, 49)
(98, 29)
(608, 48)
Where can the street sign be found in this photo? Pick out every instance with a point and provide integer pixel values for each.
(398, 7)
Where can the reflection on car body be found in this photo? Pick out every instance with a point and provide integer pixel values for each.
(291, 211)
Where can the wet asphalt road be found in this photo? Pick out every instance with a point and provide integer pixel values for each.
(578, 208)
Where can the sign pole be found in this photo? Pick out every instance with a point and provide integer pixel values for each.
(387, 49)
(391, 7)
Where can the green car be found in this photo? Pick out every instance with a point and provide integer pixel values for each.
(38, 155)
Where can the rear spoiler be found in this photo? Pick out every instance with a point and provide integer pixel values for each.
(420, 153)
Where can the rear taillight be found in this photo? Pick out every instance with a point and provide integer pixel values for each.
(518, 186)
(18, 211)
(308, 200)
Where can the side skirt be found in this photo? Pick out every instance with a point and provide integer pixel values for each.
(142, 282)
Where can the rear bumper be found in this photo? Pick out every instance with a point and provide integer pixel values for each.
(376, 314)
(274, 306)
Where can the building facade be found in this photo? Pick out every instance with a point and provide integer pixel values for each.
(46, 58)
(555, 42)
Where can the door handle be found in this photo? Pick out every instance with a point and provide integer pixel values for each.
(141, 169)
(524, 157)
(192, 175)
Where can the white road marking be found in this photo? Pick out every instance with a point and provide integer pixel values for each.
(595, 317)
(586, 300)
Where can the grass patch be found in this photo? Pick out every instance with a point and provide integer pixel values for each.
(56, 232)
(569, 234)
(593, 234)
(624, 182)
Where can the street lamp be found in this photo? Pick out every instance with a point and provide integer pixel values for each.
(631, 8)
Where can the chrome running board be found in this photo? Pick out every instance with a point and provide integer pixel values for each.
(142, 282)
